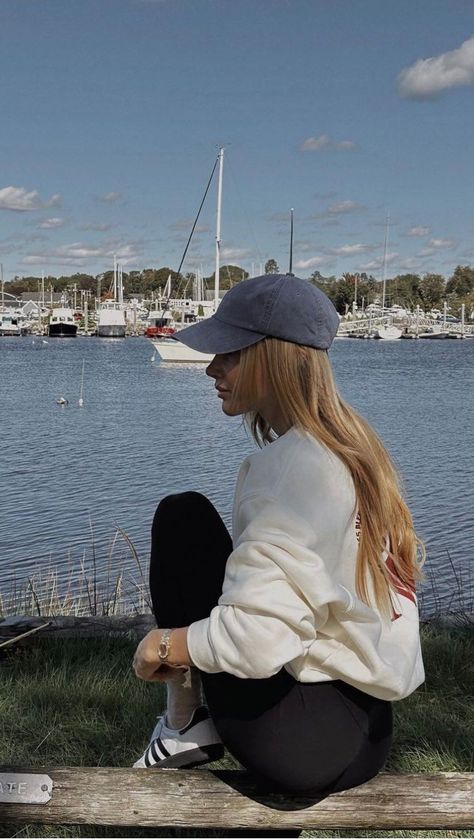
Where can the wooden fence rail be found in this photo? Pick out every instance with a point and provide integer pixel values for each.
(224, 799)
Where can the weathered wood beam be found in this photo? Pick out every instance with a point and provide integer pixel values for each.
(230, 799)
(87, 626)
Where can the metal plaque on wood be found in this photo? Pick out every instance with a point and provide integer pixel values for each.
(29, 788)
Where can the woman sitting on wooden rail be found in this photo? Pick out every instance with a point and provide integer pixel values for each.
(302, 629)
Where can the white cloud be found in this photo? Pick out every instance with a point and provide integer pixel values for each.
(314, 144)
(324, 141)
(376, 265)
(426, 252)
(235, 253)
(54, 201)
(344, 207)
(419, 230)
(82, 254)
(409, 264)
(352, 250)
(429, 77)
(51, 224)
(339, 208)
(442, 243)
(20, 200)
(304, 245)
(110, 197)
(314, 262)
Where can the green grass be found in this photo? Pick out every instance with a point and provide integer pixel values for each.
(77, 702)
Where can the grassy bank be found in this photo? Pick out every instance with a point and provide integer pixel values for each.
(77, 702)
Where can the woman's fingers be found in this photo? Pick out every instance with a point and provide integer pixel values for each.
(150, 673)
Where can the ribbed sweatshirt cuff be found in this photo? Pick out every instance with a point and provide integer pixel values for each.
(200, 648)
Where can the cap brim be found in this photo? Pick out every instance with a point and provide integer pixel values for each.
(214, 336)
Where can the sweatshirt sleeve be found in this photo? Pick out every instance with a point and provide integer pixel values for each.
(263, 620)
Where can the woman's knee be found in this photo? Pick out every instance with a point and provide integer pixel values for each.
(179, 504)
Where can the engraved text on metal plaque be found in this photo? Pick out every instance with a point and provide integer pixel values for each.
(30, 788)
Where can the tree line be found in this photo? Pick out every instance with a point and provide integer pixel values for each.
(428, 291)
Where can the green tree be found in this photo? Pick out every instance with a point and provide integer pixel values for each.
(229, 275)
(404, 290)
(319, 280)
(432, 290)
(462, 281)
(340, 292)
(271, 267)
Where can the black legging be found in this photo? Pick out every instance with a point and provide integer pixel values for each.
(312, 737)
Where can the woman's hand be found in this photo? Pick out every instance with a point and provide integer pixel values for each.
(147, 663)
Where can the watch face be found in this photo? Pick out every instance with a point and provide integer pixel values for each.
(164, 646)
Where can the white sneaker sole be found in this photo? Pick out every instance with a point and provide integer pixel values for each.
(187, 758)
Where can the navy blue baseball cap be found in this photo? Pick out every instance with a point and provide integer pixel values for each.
(275, 305)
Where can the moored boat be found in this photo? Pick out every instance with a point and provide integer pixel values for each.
(9, 324)
(389, 332)
(62, 323)
(171, 350)
(160, 324)
(111, 322)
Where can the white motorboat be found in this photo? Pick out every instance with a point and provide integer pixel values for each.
(9, 324)
(111, 321)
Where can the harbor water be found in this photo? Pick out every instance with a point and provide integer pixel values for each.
(72, 476)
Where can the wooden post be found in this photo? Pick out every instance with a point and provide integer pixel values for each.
(226, 799)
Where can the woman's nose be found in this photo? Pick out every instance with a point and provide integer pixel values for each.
(213, 368)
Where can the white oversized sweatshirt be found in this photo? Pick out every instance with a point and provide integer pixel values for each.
(289, 597)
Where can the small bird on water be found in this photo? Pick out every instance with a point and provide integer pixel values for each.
(62, 401)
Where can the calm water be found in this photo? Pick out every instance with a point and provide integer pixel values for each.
(70, 476)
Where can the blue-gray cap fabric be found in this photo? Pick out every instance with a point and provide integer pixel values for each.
(276, 305)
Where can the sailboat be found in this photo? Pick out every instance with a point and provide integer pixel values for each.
(172, 350)
(387, 331)
(111, 313)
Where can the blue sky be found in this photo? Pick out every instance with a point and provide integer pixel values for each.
(112, 112)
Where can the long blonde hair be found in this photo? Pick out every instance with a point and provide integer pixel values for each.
(301, 380)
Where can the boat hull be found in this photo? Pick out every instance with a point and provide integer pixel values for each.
(170, 350)
(62, 330)
(388, 333)
(111, 331)
(437, 336)
(13, 331)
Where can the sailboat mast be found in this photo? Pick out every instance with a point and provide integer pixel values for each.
(115, 277)
(218, 229)
(384, 275)
(120, 283)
